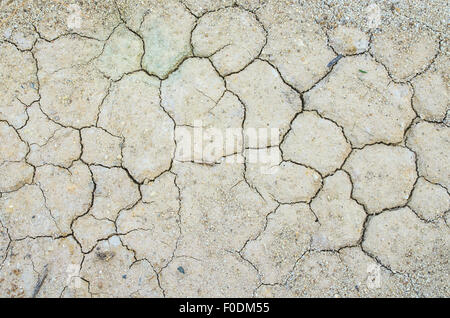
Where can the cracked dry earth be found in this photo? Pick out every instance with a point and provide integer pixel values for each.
(95, 199)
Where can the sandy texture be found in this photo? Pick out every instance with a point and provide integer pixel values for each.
(232, 148)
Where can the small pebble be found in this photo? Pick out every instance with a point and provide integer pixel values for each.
(180, 269)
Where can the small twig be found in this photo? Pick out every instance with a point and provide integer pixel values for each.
(335, 60)
(40, 281)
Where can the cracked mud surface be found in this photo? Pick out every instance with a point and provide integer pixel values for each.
(97, 200)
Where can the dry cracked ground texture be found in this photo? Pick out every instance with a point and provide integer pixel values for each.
(92, 188)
